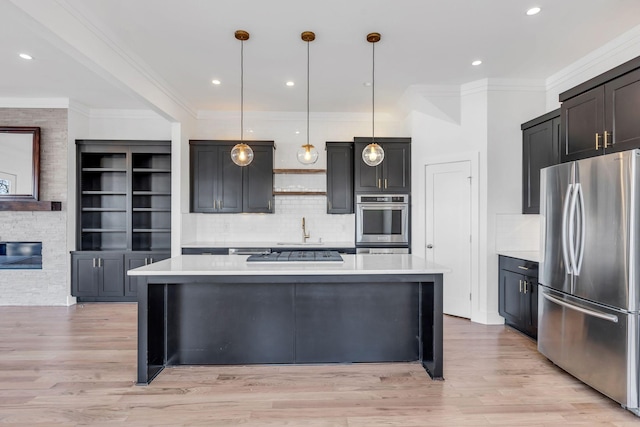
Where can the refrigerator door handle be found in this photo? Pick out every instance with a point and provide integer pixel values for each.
(582, 229)
(565, 214)
(572, 229)
(604, 316)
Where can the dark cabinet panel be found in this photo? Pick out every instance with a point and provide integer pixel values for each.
(622, 103)
(582, 125)
(393, 175)
(518, 294)
(340, 177)
(257, 182)
(540, 148)
(84, 275)
(220, 186)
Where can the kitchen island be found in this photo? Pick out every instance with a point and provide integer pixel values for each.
(220, 309)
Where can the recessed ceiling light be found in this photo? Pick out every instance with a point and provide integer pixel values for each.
(533, 11)
(215, 82)
(367, 84)
(297, 132)
(476, 62)
(25, 56)
(290, 83)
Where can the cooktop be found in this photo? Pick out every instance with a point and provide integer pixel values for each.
(297, 256)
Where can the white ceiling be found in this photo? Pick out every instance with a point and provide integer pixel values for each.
(183, 44)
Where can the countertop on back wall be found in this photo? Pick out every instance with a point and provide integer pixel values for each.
(525, 255)
(284, 244)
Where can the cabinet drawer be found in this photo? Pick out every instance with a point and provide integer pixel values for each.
(521, 266)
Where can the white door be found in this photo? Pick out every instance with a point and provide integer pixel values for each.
(448, 231)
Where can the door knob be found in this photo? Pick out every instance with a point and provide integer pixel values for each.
(429, 246)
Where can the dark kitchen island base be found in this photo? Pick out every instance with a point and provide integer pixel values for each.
(288, 319)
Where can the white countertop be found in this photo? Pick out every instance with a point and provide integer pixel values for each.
(525, 255)
(237, 265)
(285, 244)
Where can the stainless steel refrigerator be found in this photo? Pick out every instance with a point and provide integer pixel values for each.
(589, 298)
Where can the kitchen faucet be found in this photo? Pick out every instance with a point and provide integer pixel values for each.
(305, 233)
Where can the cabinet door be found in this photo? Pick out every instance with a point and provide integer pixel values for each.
(340, 178)
(135, 260)
(203, 167)
(396, 168)
(257, 182)
(540, 148)
(622, 102)
(84, 275)
(228, 182)
(583, 123)
(111, 272)
(510, 298)
(367, 178)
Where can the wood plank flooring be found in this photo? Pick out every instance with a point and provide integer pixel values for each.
(76, 366)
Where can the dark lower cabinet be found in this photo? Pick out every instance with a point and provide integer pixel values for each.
(518, 294)
(97, 274)
(339, 177)
(135, 260)
(540, 148)
(102, 275)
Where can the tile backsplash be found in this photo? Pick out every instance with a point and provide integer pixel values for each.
(284, 225)
(516, 232)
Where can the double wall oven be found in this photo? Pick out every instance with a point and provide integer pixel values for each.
(382, 223)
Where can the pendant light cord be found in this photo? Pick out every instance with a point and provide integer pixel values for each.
(308, 93)
(241, 90)
(373, 94)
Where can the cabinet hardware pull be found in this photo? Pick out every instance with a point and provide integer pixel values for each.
(385, 183)
(146, 261)
(525, 286)
(269, 205)
(606, 139)
(520, 286)
(99, 262)
(523, 267)
(94, 263)
(150, 260)
(379, 182)
(597, 144)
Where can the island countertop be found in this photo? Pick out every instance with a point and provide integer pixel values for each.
(237, 265)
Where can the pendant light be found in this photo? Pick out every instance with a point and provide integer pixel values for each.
(241, 153)
(307, 154)
(373, 154)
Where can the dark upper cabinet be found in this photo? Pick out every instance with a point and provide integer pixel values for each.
(583, 125)
(393, 175)
(257, 182)
(622, 102)
(540, 148)
(600, 115)
(518, 294)
(340, 177)
(220, 186)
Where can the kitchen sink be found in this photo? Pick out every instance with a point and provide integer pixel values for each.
(297, 256)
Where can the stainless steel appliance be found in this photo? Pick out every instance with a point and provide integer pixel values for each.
(589, 299)
(382, 220)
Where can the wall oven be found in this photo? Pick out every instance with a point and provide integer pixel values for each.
(382, 220)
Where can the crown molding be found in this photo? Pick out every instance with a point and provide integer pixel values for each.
(293, 116)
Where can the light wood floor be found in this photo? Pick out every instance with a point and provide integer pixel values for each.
(77, 366)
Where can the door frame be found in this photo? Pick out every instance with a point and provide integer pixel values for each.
(474, 161)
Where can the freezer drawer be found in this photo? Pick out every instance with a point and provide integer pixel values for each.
(597, 345)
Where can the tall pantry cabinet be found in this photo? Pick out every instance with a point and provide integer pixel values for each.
(123, 215)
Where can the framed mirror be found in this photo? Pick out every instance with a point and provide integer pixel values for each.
(19, 163)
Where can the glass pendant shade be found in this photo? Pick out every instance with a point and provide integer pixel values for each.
(373, 154)
(241, 154)
(307, 154)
